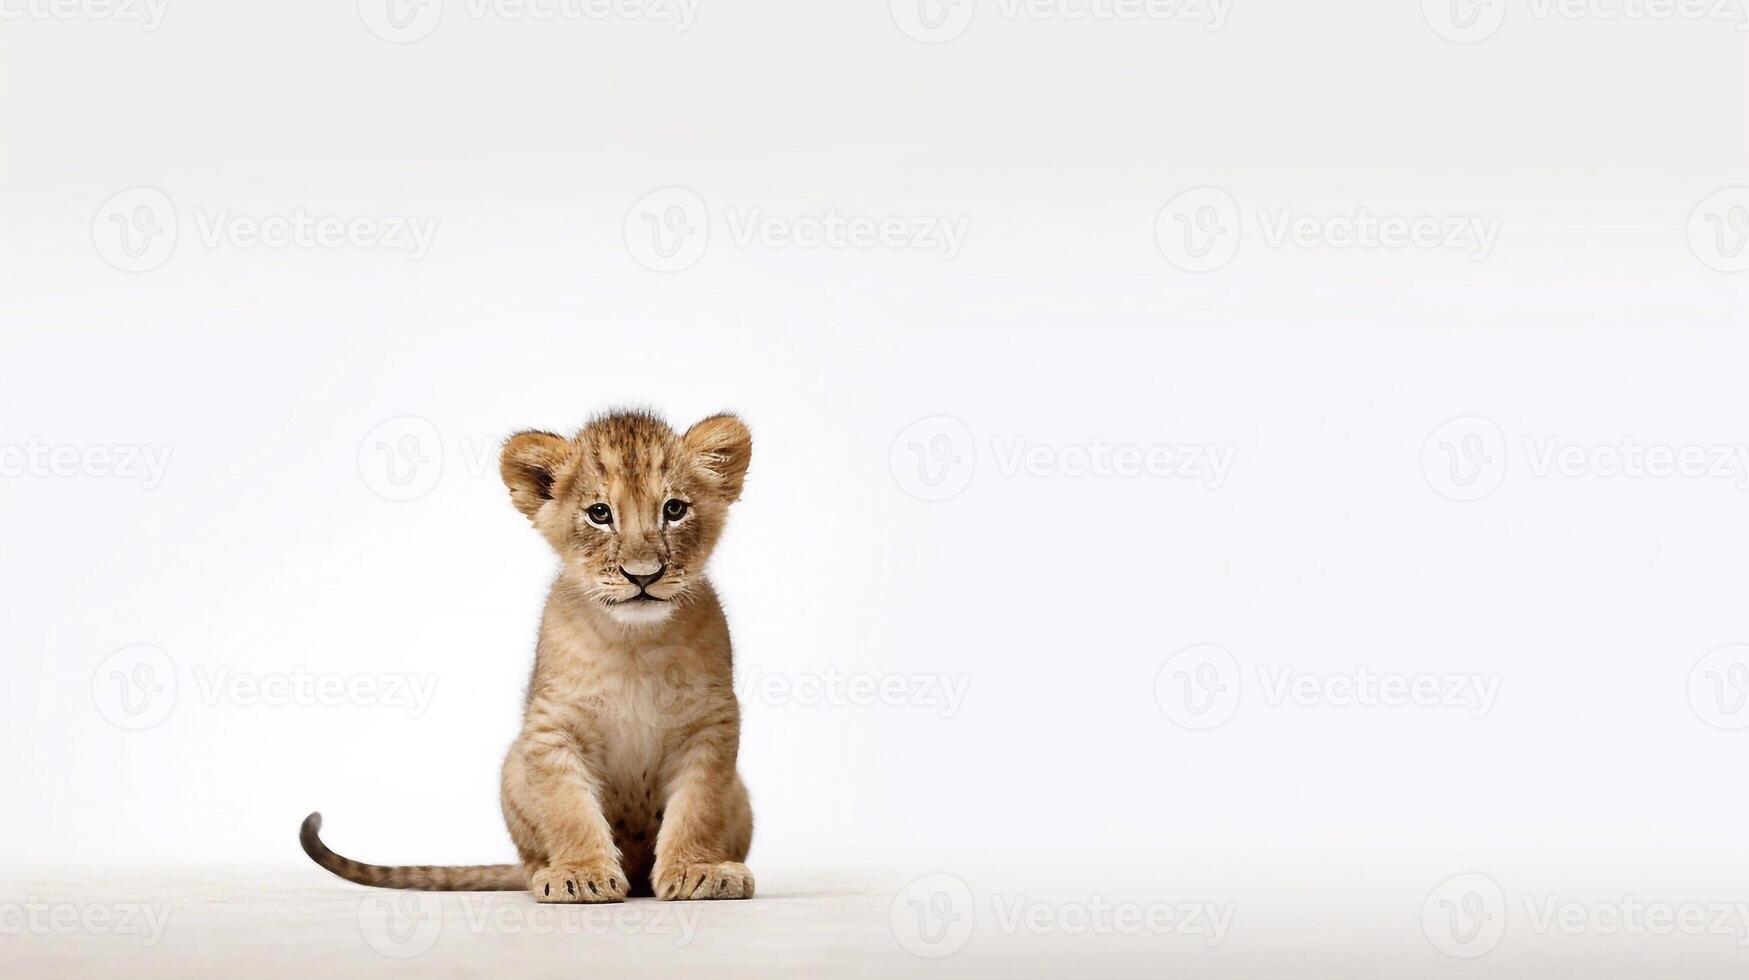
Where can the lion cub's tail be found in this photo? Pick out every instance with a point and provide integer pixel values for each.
(472, 878)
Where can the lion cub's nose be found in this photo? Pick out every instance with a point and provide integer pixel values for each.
(643, 574)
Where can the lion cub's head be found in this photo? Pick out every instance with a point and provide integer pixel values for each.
(632, 508)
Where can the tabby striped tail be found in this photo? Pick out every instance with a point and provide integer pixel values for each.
(421, 877)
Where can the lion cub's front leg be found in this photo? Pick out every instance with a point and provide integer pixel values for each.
(707, 824)
(570, 849)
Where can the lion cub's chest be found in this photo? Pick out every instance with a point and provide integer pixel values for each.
(634, 738)
(637, 722)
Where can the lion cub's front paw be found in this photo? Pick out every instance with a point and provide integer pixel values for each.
(578, 883)
(729, 879)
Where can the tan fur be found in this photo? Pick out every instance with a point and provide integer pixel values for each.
(623, 778)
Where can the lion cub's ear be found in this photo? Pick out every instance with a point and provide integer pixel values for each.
(721, 448)
(530, 466)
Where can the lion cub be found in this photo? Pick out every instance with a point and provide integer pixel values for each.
(623, 778)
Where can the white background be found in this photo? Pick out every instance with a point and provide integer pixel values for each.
(265, 372)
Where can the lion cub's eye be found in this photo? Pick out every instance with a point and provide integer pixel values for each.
(674, 510)
(600, 514)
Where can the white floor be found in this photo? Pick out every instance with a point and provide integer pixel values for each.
(1348, 916)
